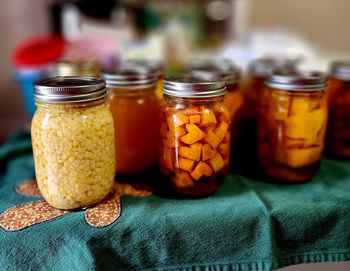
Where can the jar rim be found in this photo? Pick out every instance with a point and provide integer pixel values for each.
(69, 89)
(265, 65)
(190, 87)
(297, 81)
(340, 69)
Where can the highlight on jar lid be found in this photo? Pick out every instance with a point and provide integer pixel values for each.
(340, 70)
(156, 65)
(69, 89)
(297, 81)
(264, 66)
(190, 87)
(215, 70)
(78, 68)
(130, 77)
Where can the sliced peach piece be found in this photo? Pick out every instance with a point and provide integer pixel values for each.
(221, 130)
(217, 163)
(207, 152)
(299, 105)
(177, 119)
(193, 152)
(212, 139)
(297, 158)
(208, 118)
(202, 169)
(182, 179)
(186, 164)
(194, 134)
(195, 119)
(305, 125)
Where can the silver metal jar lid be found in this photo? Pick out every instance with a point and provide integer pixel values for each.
(69, 89)
(155, 65)
(189, 87)
(297, 81)
(340, 70)
(130, 77)
(215, 70)
(264, 66)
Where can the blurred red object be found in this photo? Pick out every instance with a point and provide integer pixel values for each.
(38, 51)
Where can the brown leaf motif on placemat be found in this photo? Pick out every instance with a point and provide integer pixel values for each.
(101, 215)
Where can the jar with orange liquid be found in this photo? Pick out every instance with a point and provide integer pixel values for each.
(292, 125)
(338, 96)
(136, 113)
(195, 136)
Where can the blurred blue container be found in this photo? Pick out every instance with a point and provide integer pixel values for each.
(26, 79)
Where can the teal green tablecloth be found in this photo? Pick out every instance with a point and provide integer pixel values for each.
(246, 225)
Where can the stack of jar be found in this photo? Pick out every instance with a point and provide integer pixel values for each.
(87, 129)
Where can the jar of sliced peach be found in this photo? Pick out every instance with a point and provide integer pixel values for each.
(292, 124)
(195, 136)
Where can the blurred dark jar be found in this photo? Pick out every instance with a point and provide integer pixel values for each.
(292, 125)
(338, 97)
(195, 136)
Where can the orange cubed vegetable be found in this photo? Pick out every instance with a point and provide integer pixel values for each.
(217, 163)
(194, 134)
(297, 158)
(178, 131)
(186, 164)
(208, 118)
(195, 119)
(169, 158)
(221, 130)
(182, 179)
(202, 169)
(212, 139)
(224, 149)
(193, 152)
(207, 152)
(177, 119)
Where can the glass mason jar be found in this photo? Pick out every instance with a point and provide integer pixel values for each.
(338, 96)
(78, 68)
(136, 113)
(292, 125)
(73, 141)
(156, 66)
(195, 136)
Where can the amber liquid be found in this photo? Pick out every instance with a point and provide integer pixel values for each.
(136, 122)
(338, 130)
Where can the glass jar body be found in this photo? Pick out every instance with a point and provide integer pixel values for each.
(136, 115)
(291, 131)
(195, 144)
(73, 147)
(338, 129)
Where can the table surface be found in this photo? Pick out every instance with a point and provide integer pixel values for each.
(246, 225)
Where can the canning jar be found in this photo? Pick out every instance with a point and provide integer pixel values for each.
(73, 141)
(78, 68)
(292, 125)
(338, 96)
(136, 113)
(156, 66)
(195, 136)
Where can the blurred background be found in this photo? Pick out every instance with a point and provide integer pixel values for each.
(311, 32)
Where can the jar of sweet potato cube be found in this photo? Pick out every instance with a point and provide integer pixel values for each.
(195, 136)
(292, 125)
(136, 113)
(73, 141)
(338, 96)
